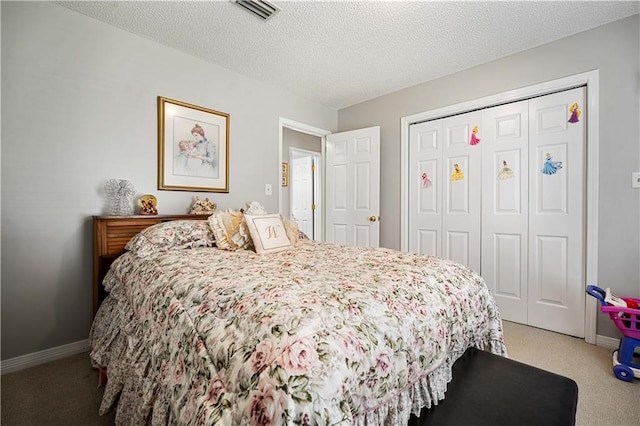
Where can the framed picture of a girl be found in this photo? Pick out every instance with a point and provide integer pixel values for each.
(193, 147)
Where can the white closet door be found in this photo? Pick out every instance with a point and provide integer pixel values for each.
(556, 213)
(425, 188)
(505, 181)
(461, 185)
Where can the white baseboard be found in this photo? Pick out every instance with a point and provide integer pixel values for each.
(37, 358)
(607, 342)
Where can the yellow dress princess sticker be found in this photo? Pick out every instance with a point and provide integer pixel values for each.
(457, 173)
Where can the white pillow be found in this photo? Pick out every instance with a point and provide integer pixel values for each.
(268, 233)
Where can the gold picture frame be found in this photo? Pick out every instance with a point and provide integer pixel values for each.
(285, 174)
(193, 147)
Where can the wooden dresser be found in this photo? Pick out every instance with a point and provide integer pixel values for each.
(111, 234)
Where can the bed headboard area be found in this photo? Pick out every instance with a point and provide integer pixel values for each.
(111, 234)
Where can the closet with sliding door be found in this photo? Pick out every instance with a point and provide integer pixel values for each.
(501, 190)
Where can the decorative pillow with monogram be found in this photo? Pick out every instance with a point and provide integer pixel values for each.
(268, 233)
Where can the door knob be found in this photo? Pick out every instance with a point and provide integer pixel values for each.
(372, 218)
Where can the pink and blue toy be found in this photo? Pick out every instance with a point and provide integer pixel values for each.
(625, 314)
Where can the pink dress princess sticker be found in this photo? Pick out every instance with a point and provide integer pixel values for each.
(426, 183)
(575, 113)
(474, 136)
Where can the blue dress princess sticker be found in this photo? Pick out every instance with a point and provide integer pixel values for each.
(550, 167)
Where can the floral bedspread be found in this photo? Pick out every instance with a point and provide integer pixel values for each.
(321, 334)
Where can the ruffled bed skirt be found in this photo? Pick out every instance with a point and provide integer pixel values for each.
(133, 390)
(131, 386)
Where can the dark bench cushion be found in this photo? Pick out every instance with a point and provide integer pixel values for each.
(490, 390)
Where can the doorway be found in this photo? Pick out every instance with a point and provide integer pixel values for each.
(358, 154)
(302, 137)
(305, 187)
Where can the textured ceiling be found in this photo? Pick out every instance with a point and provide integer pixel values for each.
(339, 53)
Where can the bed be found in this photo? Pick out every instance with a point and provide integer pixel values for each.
(192, 333)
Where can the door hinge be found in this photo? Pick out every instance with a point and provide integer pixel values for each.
(313, 206)
(313, 167)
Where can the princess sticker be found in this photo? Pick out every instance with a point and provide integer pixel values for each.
(575, 113)
(551, 167)
(426, 183)
(457, 173)
(505, 172)
(474, 138)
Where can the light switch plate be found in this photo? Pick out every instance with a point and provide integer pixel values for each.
(268, 189)
(635, 180)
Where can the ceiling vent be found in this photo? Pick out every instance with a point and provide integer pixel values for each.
(260, 8)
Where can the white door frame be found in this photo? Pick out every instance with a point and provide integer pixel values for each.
(591, 79)
(309, 130)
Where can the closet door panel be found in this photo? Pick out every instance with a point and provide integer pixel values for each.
(552, 270)
(458, 190)
(425, 188)
(508, 266)
(551, 191)
(556, 219)
(428, 242)
(508, 198)
(427, 199)
(505, 207)
(458, 246)
(462, 192)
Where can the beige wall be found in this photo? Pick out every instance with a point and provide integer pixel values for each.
(79, 107)
(614, 50)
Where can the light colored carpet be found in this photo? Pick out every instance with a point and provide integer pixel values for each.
(603, 400)
(65, 392)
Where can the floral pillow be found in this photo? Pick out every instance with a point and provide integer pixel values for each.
(268, 233)
(230, 230)
(172, 235)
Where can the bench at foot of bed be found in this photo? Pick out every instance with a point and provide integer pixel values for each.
(490, 390)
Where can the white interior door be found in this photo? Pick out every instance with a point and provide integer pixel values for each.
(302, 200)
(353, 187)
(505, 207)
(556, 212)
